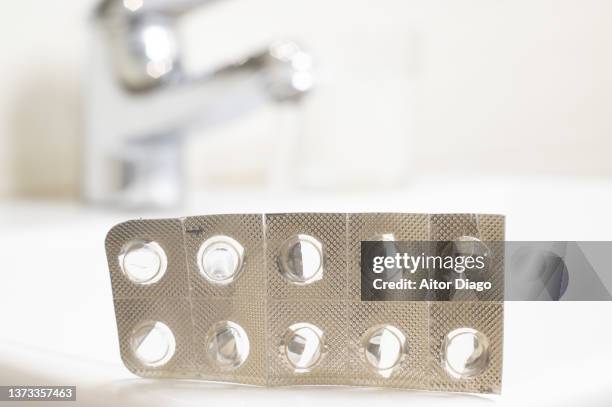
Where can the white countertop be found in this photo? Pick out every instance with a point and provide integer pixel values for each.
(58, 322)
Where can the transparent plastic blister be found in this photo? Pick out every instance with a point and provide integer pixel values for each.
(274, 300)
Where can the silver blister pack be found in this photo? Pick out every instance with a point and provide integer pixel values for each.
(275, 300)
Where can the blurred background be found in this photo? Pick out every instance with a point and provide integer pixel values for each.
(403, 89)
(146, 108)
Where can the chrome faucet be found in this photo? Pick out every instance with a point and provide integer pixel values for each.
(141, 102)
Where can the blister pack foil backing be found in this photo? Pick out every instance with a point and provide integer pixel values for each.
(275, 300)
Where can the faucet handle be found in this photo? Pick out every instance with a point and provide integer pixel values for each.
(144, 48)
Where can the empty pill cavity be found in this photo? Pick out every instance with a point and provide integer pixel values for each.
(465, 353)
(228, 345)
(142, 261)
(220, 259)
(152, 343)
(303, 346)
(384, 347)
(301, 259)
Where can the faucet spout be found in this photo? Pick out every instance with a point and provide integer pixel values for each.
(142, 104)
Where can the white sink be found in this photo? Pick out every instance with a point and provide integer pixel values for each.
(58, 322)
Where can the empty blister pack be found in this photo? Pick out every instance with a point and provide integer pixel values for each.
(275, 299)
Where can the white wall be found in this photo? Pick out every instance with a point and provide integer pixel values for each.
(435, 86)
(42, 45)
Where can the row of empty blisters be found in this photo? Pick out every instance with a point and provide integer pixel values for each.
(274, 299)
